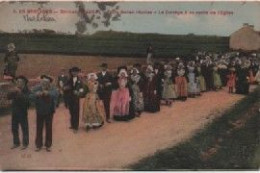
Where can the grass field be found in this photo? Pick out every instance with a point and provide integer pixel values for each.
(230, 142)
(112, 43)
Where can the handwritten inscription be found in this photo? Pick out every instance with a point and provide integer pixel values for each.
(38, 18)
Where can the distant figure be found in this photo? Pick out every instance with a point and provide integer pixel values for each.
(63, 79)
(151, 98)
(168, 92)
(181, 83)
(149, 52)
(242, 82)
(45, 97)
(20, 106)
(11, 61)
(231, 83)
(257, 76)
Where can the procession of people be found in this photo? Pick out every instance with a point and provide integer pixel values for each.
(124, 94)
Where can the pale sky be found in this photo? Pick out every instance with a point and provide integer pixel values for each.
(222, 25)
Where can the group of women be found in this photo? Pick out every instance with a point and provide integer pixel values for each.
(144, 88)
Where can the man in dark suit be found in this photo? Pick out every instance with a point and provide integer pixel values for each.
(20, 105)
(75, 90)
(105, 80)
(45, 97)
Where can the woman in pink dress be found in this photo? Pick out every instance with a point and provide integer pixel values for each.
(120, 99)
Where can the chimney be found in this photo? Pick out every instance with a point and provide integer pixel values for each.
(251, 26)
(245, 24)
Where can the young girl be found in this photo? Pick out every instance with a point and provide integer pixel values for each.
(168, 86)
(231, 83)
(93, 109)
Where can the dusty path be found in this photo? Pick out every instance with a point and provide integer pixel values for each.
(115, 145)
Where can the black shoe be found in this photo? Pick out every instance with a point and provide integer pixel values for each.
(15, 146)
(37, 149)
(48, 149)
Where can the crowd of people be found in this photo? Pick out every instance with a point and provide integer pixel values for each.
(124, 94)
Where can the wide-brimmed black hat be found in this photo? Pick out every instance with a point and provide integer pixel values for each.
(46, 77)
(103, 65)
(22, 78)
(74, 69)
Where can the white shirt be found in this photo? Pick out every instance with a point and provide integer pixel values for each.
(103, 73)
(74, 80)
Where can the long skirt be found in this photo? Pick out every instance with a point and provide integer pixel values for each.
(120, 105)
(181, 86)
(216, 80)
(169, 91)
(192, 85)
(202, 83)
(242, 87)
(93, 111)
(138, 100)
(251, 77)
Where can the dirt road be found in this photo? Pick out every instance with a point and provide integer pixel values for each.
(115, 145)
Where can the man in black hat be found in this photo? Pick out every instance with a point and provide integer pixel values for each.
(45, 97)
(20, 106)
(75, 90)
(105, 80)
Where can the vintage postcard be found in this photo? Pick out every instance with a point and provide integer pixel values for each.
(129, 86)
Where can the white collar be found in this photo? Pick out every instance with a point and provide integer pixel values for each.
(75, 79)
(104, 73)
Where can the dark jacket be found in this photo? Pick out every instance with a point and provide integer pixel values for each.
(70, 88)
(45, 105)
(20, 102)
(104, 91)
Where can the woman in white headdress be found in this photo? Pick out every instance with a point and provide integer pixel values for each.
(93, 109)
(136, 85)
(181, 83)
(120, 98)
(193, 87)
(169, 92)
